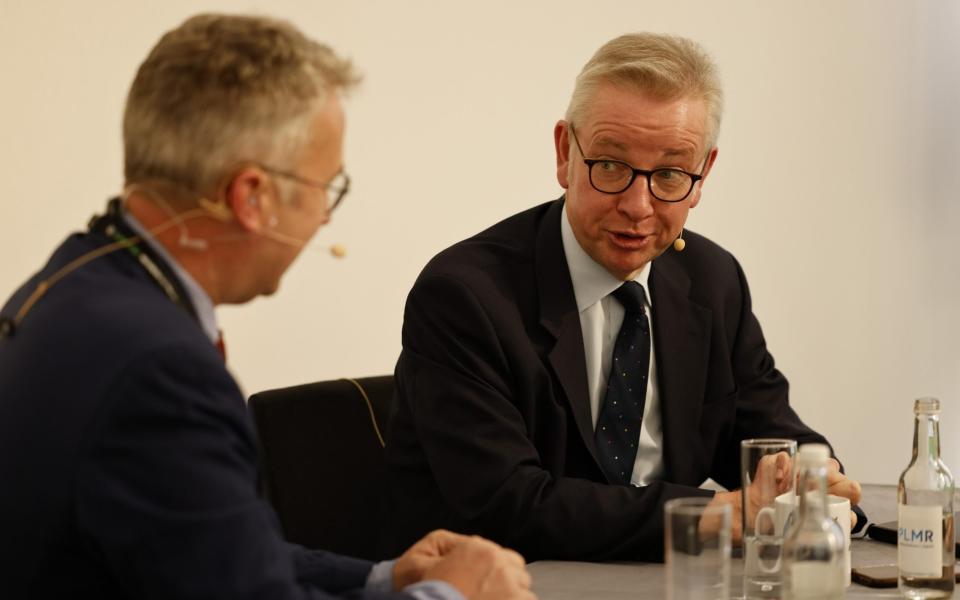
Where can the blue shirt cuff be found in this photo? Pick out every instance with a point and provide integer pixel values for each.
(380, 579)
(433, 589)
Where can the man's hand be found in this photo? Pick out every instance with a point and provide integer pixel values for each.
(710, 526)
(478, 568)
(736, 519)
(772, 478)
(839, 484)
(423, 555)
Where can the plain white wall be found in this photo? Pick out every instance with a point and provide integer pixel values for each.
(835, 184)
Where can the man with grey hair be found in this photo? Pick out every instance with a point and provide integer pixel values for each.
(570, 369)
(127, 457)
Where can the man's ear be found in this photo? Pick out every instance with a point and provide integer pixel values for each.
(249, 197)
(561, 143)
(711, 158)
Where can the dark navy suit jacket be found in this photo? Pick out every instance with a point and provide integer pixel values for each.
(127, 459)
(493, 433)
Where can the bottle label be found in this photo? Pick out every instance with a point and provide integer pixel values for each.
(920, 541)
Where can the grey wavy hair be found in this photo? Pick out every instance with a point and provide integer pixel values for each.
(222, 89)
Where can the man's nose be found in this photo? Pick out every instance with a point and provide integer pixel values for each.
(636, 202)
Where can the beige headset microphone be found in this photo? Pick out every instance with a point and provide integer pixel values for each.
(336, 250)
(219, 210)
(178, 220)
(679, 244)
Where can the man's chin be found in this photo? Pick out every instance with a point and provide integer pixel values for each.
(271, 289)
(245, 296)
(625, 266)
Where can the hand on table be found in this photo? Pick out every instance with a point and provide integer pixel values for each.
(839, 484)
(478, 568)
(772, 478)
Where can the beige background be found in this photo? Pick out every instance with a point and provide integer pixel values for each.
(836, 184)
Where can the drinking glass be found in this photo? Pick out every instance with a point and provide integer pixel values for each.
(766, 470)
(697, 549)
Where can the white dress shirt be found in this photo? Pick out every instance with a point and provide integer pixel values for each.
(600, 318)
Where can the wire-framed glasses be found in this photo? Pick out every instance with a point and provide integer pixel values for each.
(338, 186)
(615, 176)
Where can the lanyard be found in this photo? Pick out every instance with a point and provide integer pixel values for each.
(112, 226)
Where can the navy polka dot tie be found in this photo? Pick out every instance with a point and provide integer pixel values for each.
(618, 426)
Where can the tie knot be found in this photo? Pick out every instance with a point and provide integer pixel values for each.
(631, 296)
(221, 348)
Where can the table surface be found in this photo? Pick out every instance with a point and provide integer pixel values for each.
(566, 580)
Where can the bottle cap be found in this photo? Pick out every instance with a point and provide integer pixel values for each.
(813, 454)
(926, 405)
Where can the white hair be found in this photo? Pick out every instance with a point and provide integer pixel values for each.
(663, 66)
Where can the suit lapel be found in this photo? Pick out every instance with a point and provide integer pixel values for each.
(681, 331)
(559, 316)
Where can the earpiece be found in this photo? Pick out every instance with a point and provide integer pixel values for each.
(252, 200)
(679, 244)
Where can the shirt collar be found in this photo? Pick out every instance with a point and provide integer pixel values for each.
(198, 297)
(591, 281)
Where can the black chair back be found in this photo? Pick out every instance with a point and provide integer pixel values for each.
(322, 460)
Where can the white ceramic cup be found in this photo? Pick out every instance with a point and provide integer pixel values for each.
(784, 510)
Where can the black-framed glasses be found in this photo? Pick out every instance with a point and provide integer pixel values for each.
(339, 185)
(615, 177)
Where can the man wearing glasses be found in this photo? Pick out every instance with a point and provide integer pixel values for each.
(570, 369)
(127, 459)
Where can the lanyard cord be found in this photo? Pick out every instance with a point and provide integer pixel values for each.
(8, 326)
(70, 267)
